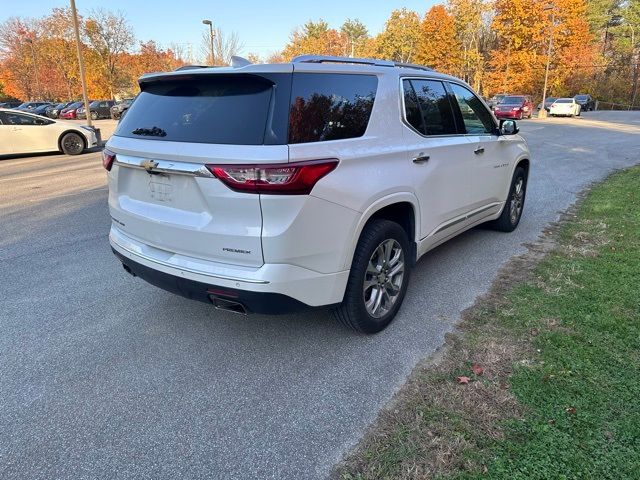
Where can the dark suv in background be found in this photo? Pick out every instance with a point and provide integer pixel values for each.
(98, 108)
(119, 108)
(586, 102)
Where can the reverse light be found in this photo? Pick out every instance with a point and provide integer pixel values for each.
(296, 178)
(108, 157)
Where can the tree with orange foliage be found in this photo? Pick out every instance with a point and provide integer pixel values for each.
(438, 46)
(315, 38)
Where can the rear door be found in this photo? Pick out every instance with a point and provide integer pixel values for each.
(160, 191)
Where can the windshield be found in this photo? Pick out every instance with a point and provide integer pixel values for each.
(75, 105)
(564, 100)
(581, 97)
(95, 103)
(512, 100)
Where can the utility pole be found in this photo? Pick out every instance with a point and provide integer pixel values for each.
(543, 111)
(210, 23)
(35, 69)
(83, 80)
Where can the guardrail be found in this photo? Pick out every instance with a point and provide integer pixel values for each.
(615, 106)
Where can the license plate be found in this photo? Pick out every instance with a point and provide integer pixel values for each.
(160, 188)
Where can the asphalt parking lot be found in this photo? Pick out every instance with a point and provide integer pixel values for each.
(104, 376)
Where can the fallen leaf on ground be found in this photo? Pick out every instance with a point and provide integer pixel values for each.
(463, 380)
(571, 410)
(477, 369)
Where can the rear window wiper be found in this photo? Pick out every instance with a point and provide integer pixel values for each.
(152, 132)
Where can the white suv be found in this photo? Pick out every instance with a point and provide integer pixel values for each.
(269, 188)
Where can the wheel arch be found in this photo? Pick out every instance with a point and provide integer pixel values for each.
(402, 208)
(71, 130)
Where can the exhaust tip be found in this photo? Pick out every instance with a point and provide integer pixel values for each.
(128, 270)
(228, 305)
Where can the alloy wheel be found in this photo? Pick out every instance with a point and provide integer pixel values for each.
(383, 278)
(517, 200)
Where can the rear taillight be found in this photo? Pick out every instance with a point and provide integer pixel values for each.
(283, 179)
(108, 158)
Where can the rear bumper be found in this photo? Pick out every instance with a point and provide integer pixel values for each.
(271, 288)
(253, 302)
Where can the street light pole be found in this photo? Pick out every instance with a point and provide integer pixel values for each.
(543, 111)
(83, 80)
(210, 23)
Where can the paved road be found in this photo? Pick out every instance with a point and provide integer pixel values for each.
(104, 376)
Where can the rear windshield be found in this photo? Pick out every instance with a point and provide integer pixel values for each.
(564, 100)
(252, 109)
(224, 109)
(512, 100)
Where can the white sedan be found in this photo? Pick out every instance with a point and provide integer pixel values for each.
(566, 107)
(22, 132)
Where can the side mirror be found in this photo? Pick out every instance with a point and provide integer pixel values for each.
(508, 127)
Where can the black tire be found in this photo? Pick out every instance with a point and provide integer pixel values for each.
(94, 115)
(353, 312)
(72, 143)
(506, 222)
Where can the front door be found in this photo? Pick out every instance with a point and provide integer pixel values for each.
(440, 157)
(488, 170)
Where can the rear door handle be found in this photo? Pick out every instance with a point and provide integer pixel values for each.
(479, 150)
(421, 158)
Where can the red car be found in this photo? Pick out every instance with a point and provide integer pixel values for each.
(514, 106)
(69, 113)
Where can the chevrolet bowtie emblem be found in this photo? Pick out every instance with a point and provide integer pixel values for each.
(149, 165)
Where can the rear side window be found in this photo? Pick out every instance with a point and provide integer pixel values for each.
(432, 113)
(235, 109)
(327, 106)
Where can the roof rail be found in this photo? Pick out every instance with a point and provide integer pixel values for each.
(413, 65)
(360, 61)
(330, 59)
(190, 67)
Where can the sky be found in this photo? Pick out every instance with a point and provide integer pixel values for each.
(263, 26)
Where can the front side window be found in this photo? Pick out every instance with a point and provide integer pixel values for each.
(10, 118)
(432, 113)
(328, 106)
(477, 119)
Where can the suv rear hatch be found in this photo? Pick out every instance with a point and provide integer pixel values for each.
(161, 192)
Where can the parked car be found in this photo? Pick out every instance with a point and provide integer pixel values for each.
(10, 104)
(29, 106)
(53, 111)
(23, 132)
(120, 107)
(495, 100)
(70, 112)
(41, 109)
(586, 102)
(547, 103)
(566, 107)
(98, 108)
(514, 106)
(266, 189)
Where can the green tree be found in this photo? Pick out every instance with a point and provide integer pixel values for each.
(355, 33)
(400, 38)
